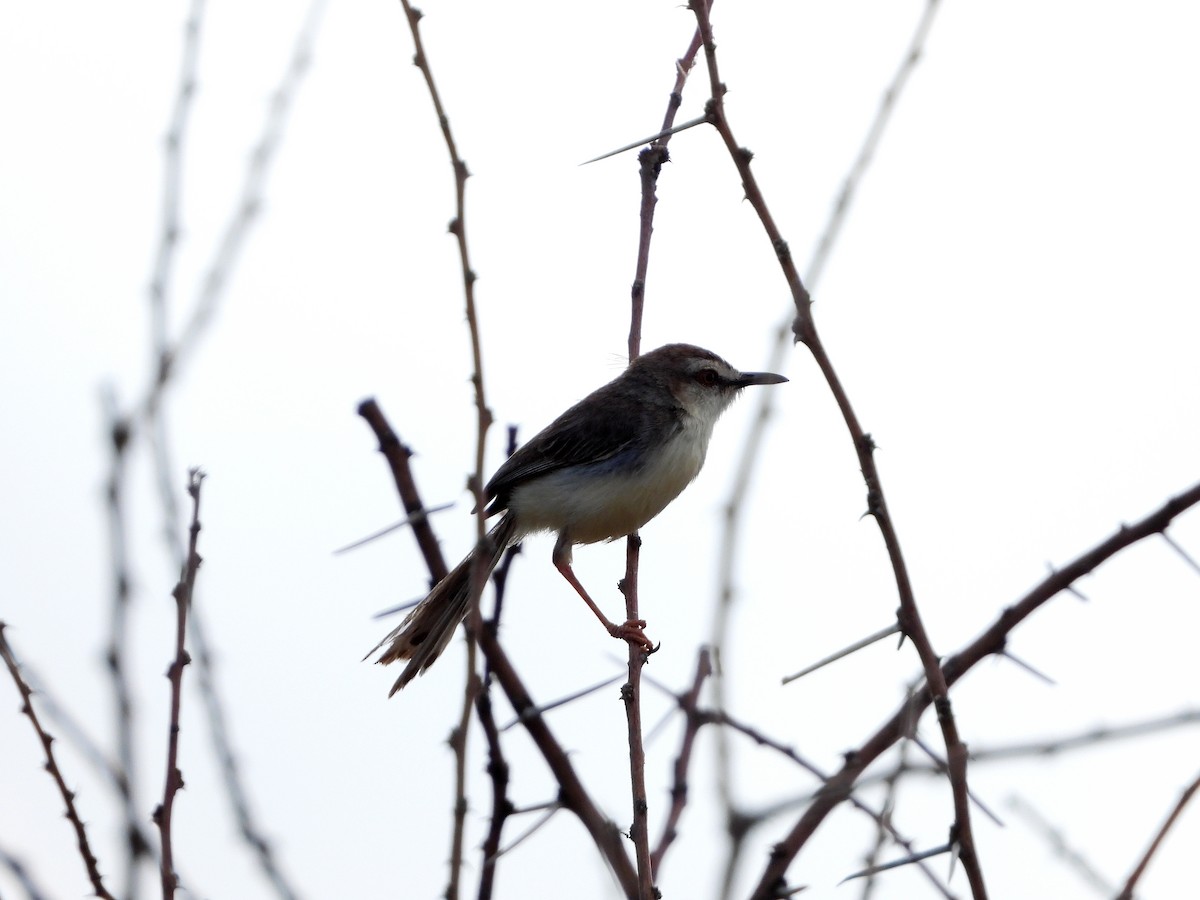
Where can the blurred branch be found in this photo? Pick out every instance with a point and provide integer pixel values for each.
(16, 867)
(892, 788)
(120, 431)
(691, 728)
(1073, 859)
(172, 357)
(1066, 744)
(68, 796)
(245, 213)
(124, 772)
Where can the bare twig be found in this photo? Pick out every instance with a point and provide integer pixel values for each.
(85, 849)
(679, 787)
(1136, 875)
(183, 593)
(502, 808)
(650, 163)
(479, 574)
(497, 769)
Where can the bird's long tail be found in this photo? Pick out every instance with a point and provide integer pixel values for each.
(426, 631)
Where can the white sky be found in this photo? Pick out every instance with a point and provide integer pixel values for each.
(1013, 308)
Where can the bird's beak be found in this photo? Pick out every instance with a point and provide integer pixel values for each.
(747, 378)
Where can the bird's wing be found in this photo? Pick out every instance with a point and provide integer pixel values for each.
(577, 437)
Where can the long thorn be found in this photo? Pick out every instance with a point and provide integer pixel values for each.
(411, 520)
(654, 137)
(853, 648)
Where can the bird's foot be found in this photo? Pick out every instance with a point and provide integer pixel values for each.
(633, 631)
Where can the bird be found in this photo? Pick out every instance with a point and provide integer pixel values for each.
(599, 472)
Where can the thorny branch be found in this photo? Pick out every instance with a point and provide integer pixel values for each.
(458, 227)
(992, 640)
(650, 162)
(806, 333)
(765, 402)
(85, 849)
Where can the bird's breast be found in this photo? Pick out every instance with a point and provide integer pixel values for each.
(609, 499)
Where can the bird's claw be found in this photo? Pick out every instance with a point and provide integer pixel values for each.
(632, 631)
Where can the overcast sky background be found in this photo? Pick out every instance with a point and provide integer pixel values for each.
(1012, 307)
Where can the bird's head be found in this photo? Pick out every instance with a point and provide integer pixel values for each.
(703, 383)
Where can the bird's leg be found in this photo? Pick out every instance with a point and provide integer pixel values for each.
(631, 631)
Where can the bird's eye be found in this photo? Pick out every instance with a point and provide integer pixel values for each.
(707, 377)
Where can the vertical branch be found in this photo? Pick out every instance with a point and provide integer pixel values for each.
(168, 241)
(68, 796)
(164, 264)
(479, 574)
(183, 593)
(631, 694)
(497, 766)
(124, 772)
(650, 162)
